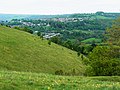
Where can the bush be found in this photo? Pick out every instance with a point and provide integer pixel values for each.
(39, 34)
(89, 71)
(49, 42)
(78, 54)
(59, 72)
(26, 29)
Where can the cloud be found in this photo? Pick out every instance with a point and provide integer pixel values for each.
(58, 6)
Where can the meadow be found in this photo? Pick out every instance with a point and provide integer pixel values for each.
(35, 81)
(90, 40)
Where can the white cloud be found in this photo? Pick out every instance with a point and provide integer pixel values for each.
(58, 6)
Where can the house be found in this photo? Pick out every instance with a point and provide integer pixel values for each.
(50, 35)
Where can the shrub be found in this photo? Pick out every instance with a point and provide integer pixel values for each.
(59, 72)
(78, 54)
(89, 71)
(49, 42)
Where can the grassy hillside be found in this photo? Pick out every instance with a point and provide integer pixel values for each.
(33, 81)
(21, 51)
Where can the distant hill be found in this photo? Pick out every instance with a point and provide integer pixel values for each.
(4, 17)
(21, 51)
(97, 15)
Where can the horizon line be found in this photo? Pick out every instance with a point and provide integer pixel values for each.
(56, 14)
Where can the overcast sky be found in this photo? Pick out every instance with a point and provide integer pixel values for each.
(58, 6)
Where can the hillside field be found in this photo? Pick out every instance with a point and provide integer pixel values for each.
(21, 51)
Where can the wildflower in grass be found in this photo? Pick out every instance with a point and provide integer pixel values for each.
(56, 82)
(52, 84)
(48, 88)
(93, 85)
(118, 83)
(110, 85)
(59, 81)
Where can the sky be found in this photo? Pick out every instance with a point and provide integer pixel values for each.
(52, 7)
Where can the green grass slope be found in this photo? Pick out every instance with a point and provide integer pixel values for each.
(33, 81)
(21, 51)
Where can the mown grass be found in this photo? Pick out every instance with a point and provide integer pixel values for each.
(33, 81)
(21, 51)
(101, 17)
(90, 40)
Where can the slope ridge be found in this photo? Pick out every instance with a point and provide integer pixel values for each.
(21, 51)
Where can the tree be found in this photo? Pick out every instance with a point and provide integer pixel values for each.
(56, 40)
(49, 42)
(78, 54)
(26, 29)
(104, 61)
(113, 33)
(68, 44)
(81, 49)
(39, 33)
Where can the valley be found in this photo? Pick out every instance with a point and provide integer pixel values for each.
(60, 52)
